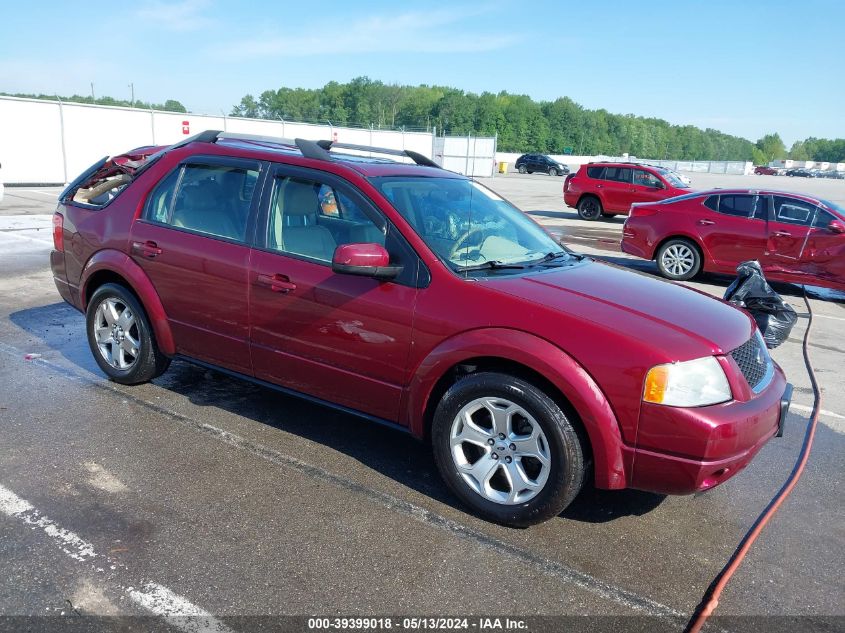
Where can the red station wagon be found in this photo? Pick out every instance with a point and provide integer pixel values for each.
(608, 189)
(796, 238)
(417, 298)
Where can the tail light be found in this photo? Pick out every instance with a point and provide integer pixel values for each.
(566, 183)
(640, 211)
(59, 232)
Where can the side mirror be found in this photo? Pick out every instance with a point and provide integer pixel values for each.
(836, 226)
(364, 260)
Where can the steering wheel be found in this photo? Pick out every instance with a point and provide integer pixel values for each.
(463, 238)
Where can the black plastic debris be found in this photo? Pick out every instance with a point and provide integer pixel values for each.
(773, 315)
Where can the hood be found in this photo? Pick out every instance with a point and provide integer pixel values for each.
(681, 321)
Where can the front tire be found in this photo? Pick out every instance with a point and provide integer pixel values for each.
(506, 449)
(552, 171)
(679, 259)
(522, 169)
(590, 208)
(120, 337)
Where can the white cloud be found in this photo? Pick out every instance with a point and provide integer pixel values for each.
(411, 32)
(187, 15)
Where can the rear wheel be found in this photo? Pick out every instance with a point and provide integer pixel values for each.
(120, 337)
(506, 449)
(589, 208)
(522, 169)
(679, 259)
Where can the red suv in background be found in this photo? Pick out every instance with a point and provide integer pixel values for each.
(417, 298)
(608, 189)
(796, 238)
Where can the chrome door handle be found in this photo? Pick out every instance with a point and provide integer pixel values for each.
(146, 249)
(706, 222)
(782, 234)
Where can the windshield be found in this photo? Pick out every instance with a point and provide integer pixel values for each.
(467, 225)
(673, 179)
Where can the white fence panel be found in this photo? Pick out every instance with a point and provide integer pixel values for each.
(48, 142)
(31, 142)
(466, 155)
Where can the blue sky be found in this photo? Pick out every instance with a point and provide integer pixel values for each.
(744, 67)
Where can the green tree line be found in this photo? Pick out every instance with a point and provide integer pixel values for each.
(521, 123)
(171, 105)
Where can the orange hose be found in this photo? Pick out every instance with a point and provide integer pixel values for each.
(711, 598)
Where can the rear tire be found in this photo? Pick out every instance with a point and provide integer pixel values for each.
(679, 259)
(120, 337)
(515, 487)
(590, 208)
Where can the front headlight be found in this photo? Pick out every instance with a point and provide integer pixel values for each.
(694, 383)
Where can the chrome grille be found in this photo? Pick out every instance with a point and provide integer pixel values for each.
(753, 360)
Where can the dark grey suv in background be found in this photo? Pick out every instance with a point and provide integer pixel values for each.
(529, 163)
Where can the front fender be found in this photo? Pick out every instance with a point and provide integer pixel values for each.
(117, 262)
(544, 358)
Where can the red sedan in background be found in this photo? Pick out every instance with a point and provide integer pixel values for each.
(796, 238)
(765, 170)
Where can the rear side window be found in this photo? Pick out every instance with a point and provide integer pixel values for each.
(619, 174)
(741, 206)
(712, 203)
(595, 172)
(210, 199)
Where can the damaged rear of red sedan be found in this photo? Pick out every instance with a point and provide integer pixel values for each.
(796, 238)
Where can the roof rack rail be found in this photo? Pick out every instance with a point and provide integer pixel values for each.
(258, 138)
(418, 158)
(318, 150)
(206, 136)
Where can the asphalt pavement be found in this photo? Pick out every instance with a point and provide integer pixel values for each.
(198, 494)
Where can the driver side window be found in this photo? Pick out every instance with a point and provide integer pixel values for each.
(794, 211)
(311, 219)
(646, 179)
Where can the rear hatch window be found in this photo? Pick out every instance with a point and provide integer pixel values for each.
(101, 183)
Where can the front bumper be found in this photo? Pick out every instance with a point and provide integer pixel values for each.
(682, 451)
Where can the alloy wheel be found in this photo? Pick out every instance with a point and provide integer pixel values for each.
(116, 333)
(500, 451)
(678, 259)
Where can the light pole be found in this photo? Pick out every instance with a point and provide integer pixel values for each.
(132, 97)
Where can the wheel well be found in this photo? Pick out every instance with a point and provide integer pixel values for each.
(512, 368)
(680, 237)
(584, 196)
(107, 277)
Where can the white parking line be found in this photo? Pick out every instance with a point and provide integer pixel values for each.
(163, 602)
(43, 193)
(837, 423)
(153, 597)
(26, 238)
(824, 316)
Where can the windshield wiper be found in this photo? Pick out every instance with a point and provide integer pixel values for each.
(492, 264)
(550, 257)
